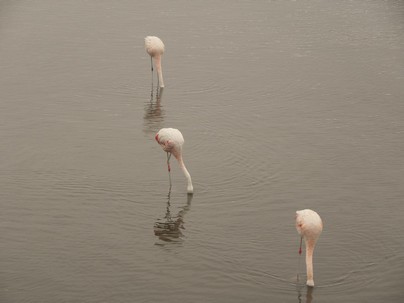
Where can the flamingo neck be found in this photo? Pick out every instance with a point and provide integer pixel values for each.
(309, 261)
(190, 188)
(157, 62)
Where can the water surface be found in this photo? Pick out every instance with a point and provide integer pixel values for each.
(284, 105)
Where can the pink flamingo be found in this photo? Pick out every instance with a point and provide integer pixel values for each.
(155, 48)
(309, 226)
(171, 140)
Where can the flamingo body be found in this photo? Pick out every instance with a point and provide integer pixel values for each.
(155, 48)
(171, 141)
(309, 226)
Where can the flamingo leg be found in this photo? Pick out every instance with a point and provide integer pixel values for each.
(151, 65)
(298, 260)
(300, 248)
(168, 161)
(169, 168)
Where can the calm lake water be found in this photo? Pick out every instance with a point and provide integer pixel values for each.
(284, 105)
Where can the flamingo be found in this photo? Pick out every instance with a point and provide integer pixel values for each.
(155, 48)
(309, 226)
(171, 140)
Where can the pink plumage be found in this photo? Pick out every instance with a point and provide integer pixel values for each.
(155, 48)
(309, 226)
(171, 141)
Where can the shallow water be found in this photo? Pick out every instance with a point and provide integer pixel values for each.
(284, 105)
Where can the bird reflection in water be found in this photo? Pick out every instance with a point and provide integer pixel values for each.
(309, 294)
(169, 228)
(154, 113)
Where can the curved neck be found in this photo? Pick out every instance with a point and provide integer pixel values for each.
(157, 62)
(190, 188)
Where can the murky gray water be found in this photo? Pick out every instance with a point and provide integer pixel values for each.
(284, 105)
